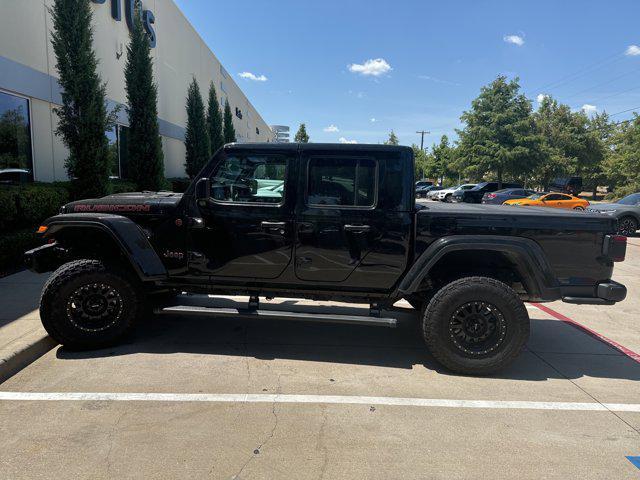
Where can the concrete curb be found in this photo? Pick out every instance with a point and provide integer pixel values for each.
(25, 352)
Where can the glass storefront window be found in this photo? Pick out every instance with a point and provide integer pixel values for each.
(15, 134)
(118, 153)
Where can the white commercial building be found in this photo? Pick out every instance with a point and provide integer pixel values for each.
(29, 90)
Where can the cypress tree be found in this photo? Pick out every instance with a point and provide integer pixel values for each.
(145, 146)
(214, 120)
(83, 117)
(196, 138)
(301, 135)
(229, 131)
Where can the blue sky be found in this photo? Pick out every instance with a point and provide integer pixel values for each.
(368, 66)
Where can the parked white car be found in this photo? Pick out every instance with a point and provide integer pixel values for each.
(445, 195)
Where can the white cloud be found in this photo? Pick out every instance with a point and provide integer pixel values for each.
(541, 96)
(253, 77)
(373, 120)
(589, 109)
(632, 50)
(344, 140)
(374, 67)
(331, 128)
(514, 39)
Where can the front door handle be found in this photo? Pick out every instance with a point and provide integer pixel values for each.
(357, 228)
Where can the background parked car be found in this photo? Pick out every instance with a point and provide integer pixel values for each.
(553, 200)
(423, 183)
(626, 210)
(475, 194)
(501, 196)
(445, 194)
(14, 176)
(570, 185)
(431, 195)
(422, 192)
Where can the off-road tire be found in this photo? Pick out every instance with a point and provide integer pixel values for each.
(439, 337)
(56, 304)
(627, 226)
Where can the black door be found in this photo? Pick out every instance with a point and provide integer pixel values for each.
(344, 232)
(248, 219)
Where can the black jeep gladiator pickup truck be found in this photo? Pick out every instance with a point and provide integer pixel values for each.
(320, 221)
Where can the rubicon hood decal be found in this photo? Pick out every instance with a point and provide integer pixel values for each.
(84, 208)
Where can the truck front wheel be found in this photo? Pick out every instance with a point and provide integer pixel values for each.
(86, 304)
(475, 325)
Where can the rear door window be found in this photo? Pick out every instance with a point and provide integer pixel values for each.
(341, 182)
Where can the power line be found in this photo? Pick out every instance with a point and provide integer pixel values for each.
(583, 71)
(602, 84)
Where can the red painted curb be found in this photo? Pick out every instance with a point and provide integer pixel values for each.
(558, 316)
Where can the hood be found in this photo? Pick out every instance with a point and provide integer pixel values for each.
(135, 203)
(603, 207)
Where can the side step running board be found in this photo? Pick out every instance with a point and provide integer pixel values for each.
(306, 317)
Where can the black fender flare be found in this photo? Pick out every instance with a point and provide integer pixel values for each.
(127, 235)
(528, 257)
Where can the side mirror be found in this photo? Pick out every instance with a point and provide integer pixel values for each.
(203, 189)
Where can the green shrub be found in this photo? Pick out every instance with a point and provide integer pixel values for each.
(13, 245)
(37, 202)
(122, 186)
(8, 209)
(179, 185)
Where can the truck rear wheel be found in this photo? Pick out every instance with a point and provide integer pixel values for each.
(475, 325)
(86, 305)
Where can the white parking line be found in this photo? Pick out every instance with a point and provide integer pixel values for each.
(314, 399)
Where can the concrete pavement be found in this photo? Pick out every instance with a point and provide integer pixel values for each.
(22, 338)
(123, 438)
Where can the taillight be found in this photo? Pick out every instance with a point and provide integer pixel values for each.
(491, 195)
(616, 247)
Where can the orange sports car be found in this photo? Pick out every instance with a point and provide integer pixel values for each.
(554, 200)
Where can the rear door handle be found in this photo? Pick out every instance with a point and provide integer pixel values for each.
(357, 228)
(273, 225)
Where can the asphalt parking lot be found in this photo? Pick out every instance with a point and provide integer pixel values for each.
(226, 398)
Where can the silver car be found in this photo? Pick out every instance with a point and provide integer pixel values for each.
(626, 210)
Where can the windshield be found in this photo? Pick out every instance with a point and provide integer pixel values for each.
(480, 186)
(536, 196)
(633, 199)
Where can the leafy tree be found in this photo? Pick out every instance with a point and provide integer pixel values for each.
(499, 137)
(229, 131)
(146, 167)
(393, 139)
(622, 166)
(301, 134)
(214, 120)
(83, 117)
(441, 160)
(420, 162)
(572, 144)
(196, 137)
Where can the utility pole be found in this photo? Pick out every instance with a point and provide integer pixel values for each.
(422, 134)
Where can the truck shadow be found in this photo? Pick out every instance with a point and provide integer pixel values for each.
(555, 350)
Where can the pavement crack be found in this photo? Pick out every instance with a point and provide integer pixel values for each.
(587, 393)
(320, 445)
(258, 450)
(111, 439)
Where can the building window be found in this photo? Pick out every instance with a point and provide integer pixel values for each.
(223, 72)
(15, 134)
(223, 88)
(257, 131)
(118, 151)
